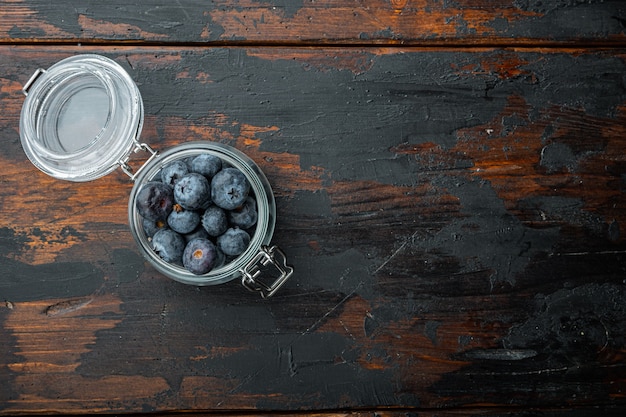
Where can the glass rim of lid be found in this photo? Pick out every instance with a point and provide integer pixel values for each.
(81, 117)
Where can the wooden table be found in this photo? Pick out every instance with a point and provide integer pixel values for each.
(450, 184)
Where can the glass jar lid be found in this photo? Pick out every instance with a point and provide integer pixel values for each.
(81, 117)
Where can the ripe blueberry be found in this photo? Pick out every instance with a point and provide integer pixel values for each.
(183, 221)
(193, 192)
(172, 172)
(198, 233)
(245, 216)
(233, 242)
(200, 256)
(154, 201)
(206, 164)
(229, 188)
(169, 245)
(150, 227)
(214, 221)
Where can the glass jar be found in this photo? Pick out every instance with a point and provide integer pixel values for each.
(82, 119)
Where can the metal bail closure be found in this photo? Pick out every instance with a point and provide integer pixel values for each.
(32, 79)
(267, 256)
(128, 170)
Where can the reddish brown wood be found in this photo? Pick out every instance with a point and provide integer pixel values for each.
(455, 214)
(373, 21)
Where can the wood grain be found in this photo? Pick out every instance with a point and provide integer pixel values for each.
(404, 22)
(455, 219)
(450, 188)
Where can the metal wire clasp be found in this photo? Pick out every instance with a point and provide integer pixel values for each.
(267, 256)
(31, 80)
(123, 163)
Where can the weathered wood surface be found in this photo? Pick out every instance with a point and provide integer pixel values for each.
(455, 214)
(301, 21)
(455, 220)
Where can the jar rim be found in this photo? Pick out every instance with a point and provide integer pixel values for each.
(80, 118)
(265, 204)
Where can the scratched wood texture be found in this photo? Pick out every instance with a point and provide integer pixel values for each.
(455, 213)
(437, 22)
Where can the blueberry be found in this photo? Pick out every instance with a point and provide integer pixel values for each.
(221, 258)
(233, 242)
(200, 256)
(215, 221)
(169, 245)
(150, 227)
(183, 221)
(229, 188)
(245, 216)
(193, 192)
(206, 164)
(187, 162)
(173, 172)
(198, 233)
(154, 201)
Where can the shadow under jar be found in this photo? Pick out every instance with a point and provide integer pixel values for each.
(82, 119)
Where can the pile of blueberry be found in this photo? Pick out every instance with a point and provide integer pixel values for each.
(198, 212)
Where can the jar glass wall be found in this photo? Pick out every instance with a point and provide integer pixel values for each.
(259, 186)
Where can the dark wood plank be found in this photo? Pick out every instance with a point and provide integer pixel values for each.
(455, 219)
(363, 22)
